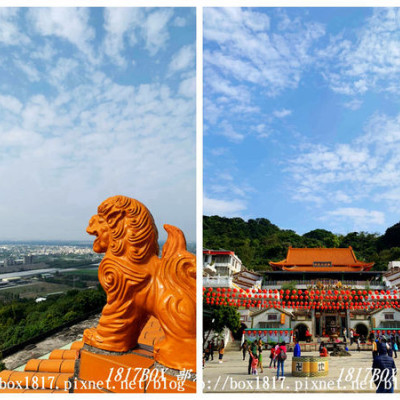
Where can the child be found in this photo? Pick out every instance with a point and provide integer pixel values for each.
(254, 363)
(272, 356)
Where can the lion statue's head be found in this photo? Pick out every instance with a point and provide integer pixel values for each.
(124, 227)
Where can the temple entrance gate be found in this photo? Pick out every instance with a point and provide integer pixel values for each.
(330, 323)
(301, 328)
(362, 330)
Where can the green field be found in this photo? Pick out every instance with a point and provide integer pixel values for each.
(33, 290)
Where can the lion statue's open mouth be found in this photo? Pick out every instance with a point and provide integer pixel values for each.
(139, 284)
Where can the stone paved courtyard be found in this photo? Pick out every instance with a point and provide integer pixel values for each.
(346, 374)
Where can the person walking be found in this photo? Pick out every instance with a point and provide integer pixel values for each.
(351, 336)
(254, 363)
(383, 370)
(375, 348)
(221, 350)
(272, 356)
(252, 351)
(207, 351)
(358, 344)
(259, 351)
(395, 348)
(297, 349)
(213, 348)
(245, 348)
(281, 357)
(344, 335)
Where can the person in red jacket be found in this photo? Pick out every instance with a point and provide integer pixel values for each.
(323, 351)
(254, 363)
(281, 356)
(272, 356)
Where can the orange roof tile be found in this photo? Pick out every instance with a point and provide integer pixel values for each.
(64, 354)
(344, 257)
(55, 374)
(61, 366)
(77, 345)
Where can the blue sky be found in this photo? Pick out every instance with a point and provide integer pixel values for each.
(95, 102)
(302, 116)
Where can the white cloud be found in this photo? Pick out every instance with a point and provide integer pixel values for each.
(187, 87)
(142, 146)
(226, 129)
(70, 24)
(131, 26)
(82, 135)
(10, 34)
(354, 104)
(120, 24)
(62, 70)
(246, 51)
(155, 29)
(368, 168)
(225, 208)
(10, 103)
(282, 113)
(262, 130)
(371, 61)
(219, 151)
(183, 59)
(179, 22)
(29, 69)
(361, 218)
(246, 60)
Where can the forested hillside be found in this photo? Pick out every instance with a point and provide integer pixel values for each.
(23, 319)
(258, 241)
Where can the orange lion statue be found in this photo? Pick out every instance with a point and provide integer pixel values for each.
(139, 284)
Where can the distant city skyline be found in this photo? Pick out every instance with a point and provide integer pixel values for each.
(95, 102)
(302, 116)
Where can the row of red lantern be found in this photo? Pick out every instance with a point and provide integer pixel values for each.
(303, 291)
(330, 306)
(314, 297)
(304, 301)
(265, 333)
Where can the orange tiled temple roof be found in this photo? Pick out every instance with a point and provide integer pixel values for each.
(321, 260)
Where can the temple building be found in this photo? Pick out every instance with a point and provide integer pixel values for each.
(329, 268)
(270, 305)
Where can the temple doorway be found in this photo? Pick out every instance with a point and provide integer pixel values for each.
(362, 330)
(331, 325)
(301, 329)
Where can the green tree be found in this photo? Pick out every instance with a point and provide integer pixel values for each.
(324, 237)
(391, 238)
(216, 318)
